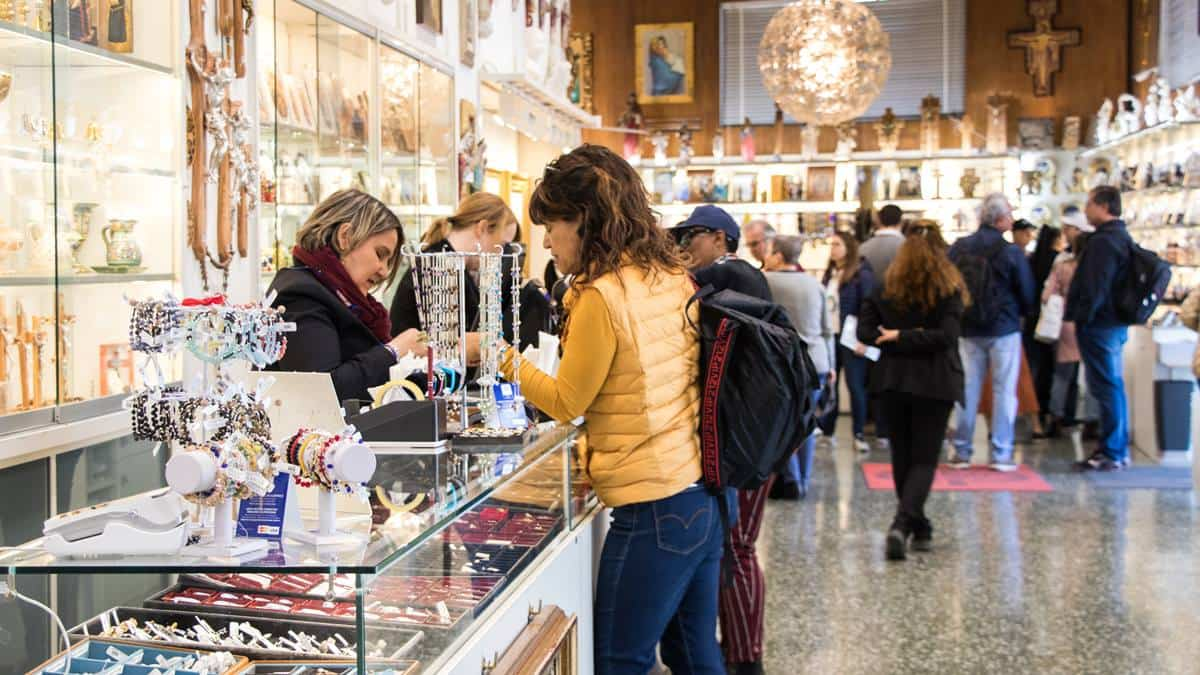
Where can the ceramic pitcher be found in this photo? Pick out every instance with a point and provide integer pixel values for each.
(121, 248)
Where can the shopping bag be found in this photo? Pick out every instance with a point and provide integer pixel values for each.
(1049, 325)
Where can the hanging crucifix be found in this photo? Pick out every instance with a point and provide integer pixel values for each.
(1043, 45)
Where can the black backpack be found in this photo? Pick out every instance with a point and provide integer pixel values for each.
(980, 278)
(756, 385)
(1144, 286)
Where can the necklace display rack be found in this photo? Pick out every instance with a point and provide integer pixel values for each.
(440, 282)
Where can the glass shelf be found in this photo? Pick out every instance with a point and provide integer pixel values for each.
(1149, 133)
(380, 552)
(15, 39)
(84, 279)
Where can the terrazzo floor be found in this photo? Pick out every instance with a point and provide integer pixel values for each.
(1080, 580)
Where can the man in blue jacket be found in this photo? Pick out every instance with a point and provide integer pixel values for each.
(1100, 333)
(1002, 292)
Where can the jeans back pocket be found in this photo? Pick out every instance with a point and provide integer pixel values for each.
(682, 523)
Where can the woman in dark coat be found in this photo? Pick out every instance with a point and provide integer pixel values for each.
(349, 246)
(915, 318)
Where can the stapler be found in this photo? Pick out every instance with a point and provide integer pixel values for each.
(154, 523)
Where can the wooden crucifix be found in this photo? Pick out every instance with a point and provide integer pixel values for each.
(1043, 45)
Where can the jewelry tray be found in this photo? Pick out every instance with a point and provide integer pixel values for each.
(288, 667)
(399, 642)
(89, 655)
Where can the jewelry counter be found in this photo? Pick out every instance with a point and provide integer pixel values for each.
(435, 572)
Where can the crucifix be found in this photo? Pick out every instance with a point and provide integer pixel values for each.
(66, 325)
(24, 341)
(1043, 45)
(5, 338)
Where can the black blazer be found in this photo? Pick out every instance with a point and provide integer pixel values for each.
(925, 360)
(404, 305)
(328, 337)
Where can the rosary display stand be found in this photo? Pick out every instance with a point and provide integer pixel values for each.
(347, 464)
(189, 473)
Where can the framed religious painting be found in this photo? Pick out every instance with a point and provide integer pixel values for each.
(548, 645)
(820, 183)
(665, 62)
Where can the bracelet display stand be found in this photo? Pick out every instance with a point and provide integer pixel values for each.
(191, 473)
(351, 463)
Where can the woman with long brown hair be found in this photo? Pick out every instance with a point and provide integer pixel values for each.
(915, 319)
(482, 222)
(848, 281)
(630, 363)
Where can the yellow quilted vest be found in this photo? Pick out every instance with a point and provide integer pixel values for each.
(642, 427)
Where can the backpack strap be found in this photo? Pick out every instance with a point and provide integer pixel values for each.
(705, 292)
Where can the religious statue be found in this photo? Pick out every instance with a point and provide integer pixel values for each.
(931, 116)
(686, 151)
(747, 141)
(997, 127)
(1187, 107)
(1129, 114)
(847, 140)
(1166, 111)
(1043, 45)
(1150, 106)
(1072, 128)
(968, 183)
(1103, 124)
(966, 133)
(778, 149)
(888, 130)
(718, 144)
(632, 119)
(659, 140)
(809, 136)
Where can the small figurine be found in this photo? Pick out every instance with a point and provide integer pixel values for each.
(997, 128)
(1166, 110)
(809, 136)
(931, 115)
(718, 144)
(1187, 107)
(847, 141)
(747, 141)
(968, 183)
(888, 129)
(632, 119)
(1129, 115)
(1071, 131)
(686, 152)
(1102, 126)
(659, 140)
(966, 132)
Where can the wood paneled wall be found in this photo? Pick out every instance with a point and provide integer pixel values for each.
(1100, 67)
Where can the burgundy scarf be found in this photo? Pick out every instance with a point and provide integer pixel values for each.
(327, 267)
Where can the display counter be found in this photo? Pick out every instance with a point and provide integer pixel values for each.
(452, 541)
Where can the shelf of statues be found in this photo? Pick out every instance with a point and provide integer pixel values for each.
(25, 38)
(837, 206)
(1146, 136)
(825, 159)
(33, 255)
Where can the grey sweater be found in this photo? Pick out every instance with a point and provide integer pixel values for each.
(801, 295)
(880, 250)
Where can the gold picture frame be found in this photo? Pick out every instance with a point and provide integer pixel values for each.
(662, 50)
(548, 645)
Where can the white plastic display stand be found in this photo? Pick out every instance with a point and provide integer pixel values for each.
(192, 472)
(354, 463)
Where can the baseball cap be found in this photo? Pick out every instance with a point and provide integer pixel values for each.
(713, 218)
(1023, 224)
(1076, 219)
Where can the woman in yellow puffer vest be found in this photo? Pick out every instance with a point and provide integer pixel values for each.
(630, 362)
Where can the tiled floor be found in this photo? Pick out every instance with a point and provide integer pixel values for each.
(1080, 580)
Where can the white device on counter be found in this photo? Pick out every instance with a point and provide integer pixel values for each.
(151, 524)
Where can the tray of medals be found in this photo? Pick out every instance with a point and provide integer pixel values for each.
(295, 585)
(483, 439)
(103, 656)
(323, 668)
(182, 597)
(256, 638)
(507, 525)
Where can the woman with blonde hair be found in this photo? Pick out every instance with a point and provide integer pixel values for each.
(630, 364)
(915, 319)
(349, 246)
(482, 222)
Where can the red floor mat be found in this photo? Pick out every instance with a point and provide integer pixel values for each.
(975, 479)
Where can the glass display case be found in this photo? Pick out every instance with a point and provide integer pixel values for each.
(341, 108)
(448, 539)
(79, 153)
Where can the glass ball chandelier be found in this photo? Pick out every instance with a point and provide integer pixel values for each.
(824, 61)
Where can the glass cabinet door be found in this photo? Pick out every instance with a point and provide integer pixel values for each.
(398, 77)
(344, 58)
(439, 162)
(90, 127)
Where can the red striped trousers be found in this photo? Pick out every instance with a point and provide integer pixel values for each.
(743, 599)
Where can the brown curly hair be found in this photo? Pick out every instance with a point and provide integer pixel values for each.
(922, 274)
(595, 187)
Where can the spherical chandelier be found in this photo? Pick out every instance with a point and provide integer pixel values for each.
(824, 61)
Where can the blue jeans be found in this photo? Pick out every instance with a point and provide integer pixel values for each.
(1102, 366)
(853, 368)
(799, 466)
(1002, 356)
(658, 580)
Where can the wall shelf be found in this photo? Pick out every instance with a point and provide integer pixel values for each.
(24, 47)
(1136, 136)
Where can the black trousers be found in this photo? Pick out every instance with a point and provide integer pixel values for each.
(916, 428)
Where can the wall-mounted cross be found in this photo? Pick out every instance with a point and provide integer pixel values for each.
(1043, 45)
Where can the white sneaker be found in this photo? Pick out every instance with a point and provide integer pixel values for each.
(957, 463)
(860, 444)
(1004, 467)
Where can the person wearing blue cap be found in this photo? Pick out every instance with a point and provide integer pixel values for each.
(710, 238)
